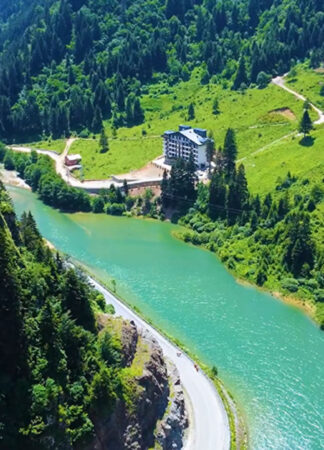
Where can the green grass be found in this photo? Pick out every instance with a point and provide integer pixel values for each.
(123, 156)
(56, 145)
(250, 114)
(265, 168)
(307, 82)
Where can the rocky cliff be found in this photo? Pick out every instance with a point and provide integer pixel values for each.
(154, 413)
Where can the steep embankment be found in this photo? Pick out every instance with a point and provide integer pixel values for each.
(73, 376)
(211, 429)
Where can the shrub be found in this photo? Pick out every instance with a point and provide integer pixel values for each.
(115, 209)
(319, 295)
(2, 151)
(85, 133)
(263, 80)
(290, 284)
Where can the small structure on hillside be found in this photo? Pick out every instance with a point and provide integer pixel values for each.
(72, 160)
(180, 144)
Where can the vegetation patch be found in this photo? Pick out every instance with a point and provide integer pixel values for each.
(124, 154)
(55, 145)
(284, 112)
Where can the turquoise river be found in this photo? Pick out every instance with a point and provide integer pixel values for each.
(269, 354)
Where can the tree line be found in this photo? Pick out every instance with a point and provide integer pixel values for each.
(58, 374)
(273, 235)
(68, 65)
(39, 173)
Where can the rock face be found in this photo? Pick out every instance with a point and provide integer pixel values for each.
(129, 340)
(158, 417)
(170, 430)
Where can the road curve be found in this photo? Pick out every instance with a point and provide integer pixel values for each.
(91, 186)
(210, 430)
(280, 81)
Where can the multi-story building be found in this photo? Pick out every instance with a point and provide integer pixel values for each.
(179, 144)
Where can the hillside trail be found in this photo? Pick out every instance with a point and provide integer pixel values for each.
(262, 149)
(280, 82)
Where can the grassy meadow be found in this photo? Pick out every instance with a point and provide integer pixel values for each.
(302, 157)
(259, 117)
(123, 155)
(56, 145)
(307, 82)
(265, 121)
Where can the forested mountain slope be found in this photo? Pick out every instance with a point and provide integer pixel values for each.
(70, 375)
(68, 64)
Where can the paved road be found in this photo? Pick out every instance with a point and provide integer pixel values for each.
(211, 428)
(93, 186)
(280, 81)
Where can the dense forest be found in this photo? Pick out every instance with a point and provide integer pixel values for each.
(66, 65)
(61, 370)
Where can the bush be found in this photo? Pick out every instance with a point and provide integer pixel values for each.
(263, 79)
(290, 284)
(2, 151)
(85, 133)
(115, 209)
(8, 162)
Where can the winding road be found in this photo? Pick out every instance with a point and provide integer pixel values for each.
(92, 186)
(280, 81)
(210, 428)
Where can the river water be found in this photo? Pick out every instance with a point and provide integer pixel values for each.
(269, 355)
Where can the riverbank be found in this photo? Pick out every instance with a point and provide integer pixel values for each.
(11, 178)
(211, 424)
(305, 306)
(228, 413)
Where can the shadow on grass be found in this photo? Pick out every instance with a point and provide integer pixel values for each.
(307, 141)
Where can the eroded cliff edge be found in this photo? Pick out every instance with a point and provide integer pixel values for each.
(153, 413)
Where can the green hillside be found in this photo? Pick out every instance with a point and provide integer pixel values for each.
(259, 117)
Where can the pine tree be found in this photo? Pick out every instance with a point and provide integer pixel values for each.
(76, 301)
(305, 125)
(125, 187)
(11, 325)
(130, 110)
(165, 190)
(242, 188)
(103, 142)
(96, 124)
(138, 112)
(241, 77)
(217, 196)
(216, 106)
(232, 202)
(230, 152)
(191, 111)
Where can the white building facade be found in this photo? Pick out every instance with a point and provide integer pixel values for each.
(180, 144)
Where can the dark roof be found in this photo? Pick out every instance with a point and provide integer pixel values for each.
(184, 127)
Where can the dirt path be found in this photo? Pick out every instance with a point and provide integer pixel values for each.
(262, 149)
(92, 186)
(280, 81)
